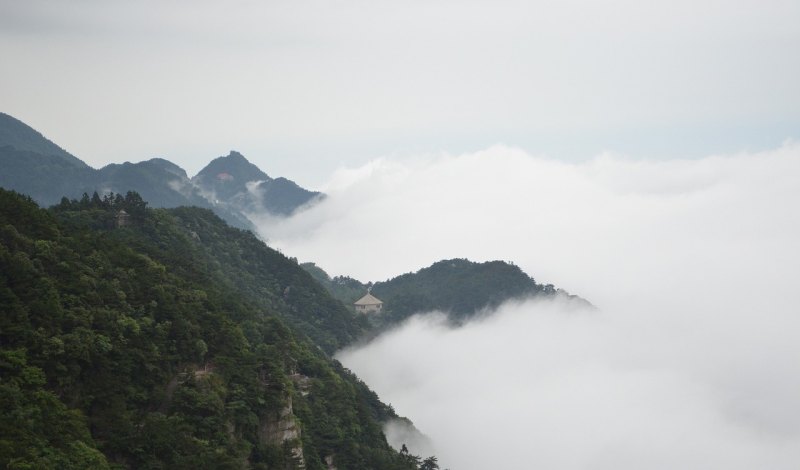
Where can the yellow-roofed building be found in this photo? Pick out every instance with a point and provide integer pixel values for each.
(368, 304)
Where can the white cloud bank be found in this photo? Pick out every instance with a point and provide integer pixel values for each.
(693, 360)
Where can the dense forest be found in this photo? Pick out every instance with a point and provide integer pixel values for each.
(163, 338)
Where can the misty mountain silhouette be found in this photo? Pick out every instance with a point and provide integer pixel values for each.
(231, 186)
(235, 182)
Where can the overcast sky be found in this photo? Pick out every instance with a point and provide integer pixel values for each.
(641, 154)
(305, 87)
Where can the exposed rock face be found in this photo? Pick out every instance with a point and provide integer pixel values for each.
(281, 429)
(329, 463)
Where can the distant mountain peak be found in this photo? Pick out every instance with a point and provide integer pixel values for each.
(235, 158)
(230, 185)
(232, 167)
(228, 180)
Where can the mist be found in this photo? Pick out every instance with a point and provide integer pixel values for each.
(691, 360)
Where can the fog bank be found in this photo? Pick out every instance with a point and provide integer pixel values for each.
(532, 387)
(691, 361)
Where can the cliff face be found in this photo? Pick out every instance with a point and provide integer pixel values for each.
(282, 430)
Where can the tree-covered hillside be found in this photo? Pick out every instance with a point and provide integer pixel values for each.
(344, 288)
(240, 261)
(171, 341)
(458, 287)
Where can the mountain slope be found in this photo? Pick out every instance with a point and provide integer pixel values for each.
(282, 196)
(226, 177)
(162, 184)
(134, 347)
(159, 182)
(458, 287)
(47, 178)
(235, 183)
(242, 262)
(19, 135)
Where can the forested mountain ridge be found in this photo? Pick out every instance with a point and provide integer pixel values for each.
(33, 165)
(458, 287)
(129, 343)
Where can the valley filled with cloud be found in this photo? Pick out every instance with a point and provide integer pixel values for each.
(689, 361)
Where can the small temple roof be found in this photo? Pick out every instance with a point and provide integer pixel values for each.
(368, 299)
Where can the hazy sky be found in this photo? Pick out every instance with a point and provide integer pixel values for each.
(305, 87)
(641, 154)
(691, 361)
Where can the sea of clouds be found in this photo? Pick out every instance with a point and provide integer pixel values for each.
(691, 361)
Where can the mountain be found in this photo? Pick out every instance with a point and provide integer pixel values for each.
(230, 186)
(159, 182)
(237, 184)
(458, 287)
(167, 339)
(227, 177)
(241, 262)
(162, 184)
(20, 136)
(283, 196)
(46, 178)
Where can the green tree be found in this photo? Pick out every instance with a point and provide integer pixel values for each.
(431, 463)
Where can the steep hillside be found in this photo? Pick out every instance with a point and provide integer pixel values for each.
(145, 342)
(238, 260)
